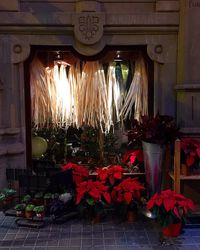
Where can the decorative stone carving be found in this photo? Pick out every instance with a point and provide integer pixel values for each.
(155, 52)
(20, 49)
(88, 27)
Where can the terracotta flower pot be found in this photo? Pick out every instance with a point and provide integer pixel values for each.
(29, 214)
(131, 216)
(173, 230)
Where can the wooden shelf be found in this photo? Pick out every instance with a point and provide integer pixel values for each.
(185, 177)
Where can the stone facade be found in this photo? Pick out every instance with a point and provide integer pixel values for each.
(169, 29)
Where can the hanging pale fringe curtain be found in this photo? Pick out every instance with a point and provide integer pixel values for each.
(93, 107)
(137, 95)
(84, 97)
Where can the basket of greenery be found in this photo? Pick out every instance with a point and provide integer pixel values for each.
(26, 199)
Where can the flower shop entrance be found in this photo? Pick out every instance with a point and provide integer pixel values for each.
(74, 125)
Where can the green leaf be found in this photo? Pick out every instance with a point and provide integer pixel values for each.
(90, 201)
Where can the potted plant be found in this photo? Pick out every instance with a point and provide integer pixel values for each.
(170, 209)
(190, 156)
(9, 195)
(79, 172)
(26, 199)
(154, 133)
(39, 211)
(20, 209)
(126, 196)
(29, 213)
(110, 175)
(91, 197)
(48, 198)
(38, 199)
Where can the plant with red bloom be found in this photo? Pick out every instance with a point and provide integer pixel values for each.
(111, 173)
(126, 196)
(170, 207)
(133, 156)
(91, 197)
(79, 172)
(127, 191)
(190, 151)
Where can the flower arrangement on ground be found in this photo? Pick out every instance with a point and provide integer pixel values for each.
(127, 195)
(171, 209)
(91, 197)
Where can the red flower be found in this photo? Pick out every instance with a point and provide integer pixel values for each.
(132, 156)
(128, 190)
(79, 172)
(171, 202)
(111, 173)
(94, 189)
(191, 149)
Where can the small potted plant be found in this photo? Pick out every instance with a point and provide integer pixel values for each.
(38, 199)
(126, 196)
(29, 213)
(9, 196)
(91, 197)
(48, 198)
(39, 211)
(20, 209)
(171, 210)
(190, 156)
(26, 199)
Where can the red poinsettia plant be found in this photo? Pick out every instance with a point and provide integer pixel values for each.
(170, 207)
(92, 194)
(127, 191)
(79, 172)
(110, 173)
(190, 151)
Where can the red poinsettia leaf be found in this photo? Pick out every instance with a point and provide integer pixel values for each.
(190, 160)
(118, 175)
(127, 197)
(112, 180)
(140, 156)
(158, 202)
(150, 203)
(107, 197)
(168, 204)
(114, 195)
(95, 194)
(132, 158)
(198, 151)
(191, 205)
(175, 210)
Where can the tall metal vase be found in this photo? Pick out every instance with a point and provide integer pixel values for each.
(153, 162)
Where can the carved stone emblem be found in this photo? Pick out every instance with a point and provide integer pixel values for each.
(88, 27)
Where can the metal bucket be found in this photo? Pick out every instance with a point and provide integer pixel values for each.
(153, 161)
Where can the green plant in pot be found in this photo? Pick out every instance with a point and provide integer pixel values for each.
(171, 210)
(38, 199)
(39, 211)
(20, 209)
(26, 199)
(126, 197)
(48, 198)
(154, 133)
(9, 195)
(29, 211)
